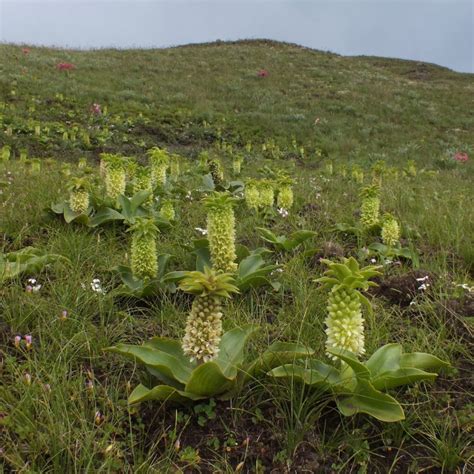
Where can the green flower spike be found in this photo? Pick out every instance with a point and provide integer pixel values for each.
(142, 182)
(204, 324)
(266, 193)
(114, 169)
(159, 161)
(131, 169)
(221, 231)
(35, 166)
(285, 194)
(390, 230)
(144, 258)
(78, 195)
(216, 171)
(5, 152)
(252, 195)
(344, 323)
(370, 207)
(167, 210)
(237, 164)
(357, 174)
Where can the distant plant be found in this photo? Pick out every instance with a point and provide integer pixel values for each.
(27, 260)
(167, 210)
(252, 195)
(285, 193)
(142, 181)
(370, 206)
(390, 230)
(266, 193)
(5, 153)
(79, 195)
(114, 167)
(237, 161)
(283, 243)
(221, 231)
(144, 257)
(159, 161)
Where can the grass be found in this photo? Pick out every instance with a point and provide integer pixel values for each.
(63, 403)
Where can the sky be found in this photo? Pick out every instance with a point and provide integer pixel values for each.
(436, 31)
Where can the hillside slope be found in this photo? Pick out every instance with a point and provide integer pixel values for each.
(362, 105)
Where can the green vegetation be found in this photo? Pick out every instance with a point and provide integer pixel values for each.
(176, 208)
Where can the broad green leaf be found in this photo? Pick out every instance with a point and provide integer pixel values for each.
(28, 259)
(125, 207)
(366, 399)
(162, 393)
(242, 252)
(279, 353)
(384, 359)
(58, 208)
(360, 370)
(319, 374)
(208, 380)
(203, 254)
(399, 377)
(163, 260)
(169, 365)
(170, 346)
(105, 214)
(138, 199)
(297, 238)
(231, 349)
(421, 360)
(249, 265)
(208, 183)
(174, 277)
(379, 247)
(69, 214)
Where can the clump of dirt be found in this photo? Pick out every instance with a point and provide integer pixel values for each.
(401, 289)
(236, 436)
(329, 250)
(309, 209)
(463, 307)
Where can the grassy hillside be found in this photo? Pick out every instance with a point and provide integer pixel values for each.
(364, 105)
(325, 125)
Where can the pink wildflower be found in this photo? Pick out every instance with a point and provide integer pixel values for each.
(461, 157)
(29, 341)
(65, 66)
(96, 109)
(262, 73)
(17, 341)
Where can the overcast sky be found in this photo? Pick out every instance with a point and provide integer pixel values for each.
(438, 31)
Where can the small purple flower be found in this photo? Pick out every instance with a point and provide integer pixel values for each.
(64, 315)
(29, 341)
(17, 341)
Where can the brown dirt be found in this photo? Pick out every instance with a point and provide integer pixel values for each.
(401, 289)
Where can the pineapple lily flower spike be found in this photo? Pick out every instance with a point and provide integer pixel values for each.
(344, 323)
(206, 363)
(204, 324)
(358, 387)
(221, 231)
(144, 258)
